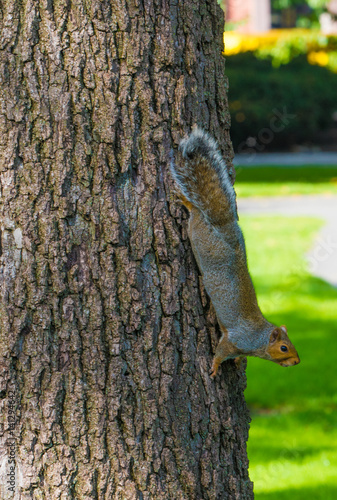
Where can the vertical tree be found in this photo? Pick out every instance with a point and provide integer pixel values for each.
(106, 333)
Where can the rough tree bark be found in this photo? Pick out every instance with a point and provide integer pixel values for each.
(106, 333)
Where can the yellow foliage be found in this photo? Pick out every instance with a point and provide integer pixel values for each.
(236, 42)
(321, 58)
(282, 45)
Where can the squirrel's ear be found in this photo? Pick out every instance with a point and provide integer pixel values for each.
(275, 335)
(284, 328)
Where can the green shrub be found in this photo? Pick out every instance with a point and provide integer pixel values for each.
(258, 92)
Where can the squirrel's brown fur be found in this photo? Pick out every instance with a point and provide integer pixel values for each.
(219, 249)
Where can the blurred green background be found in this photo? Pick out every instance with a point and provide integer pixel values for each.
(258, 92)
(292, 67)
(283, 98)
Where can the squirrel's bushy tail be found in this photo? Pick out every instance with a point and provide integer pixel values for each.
(203, 178)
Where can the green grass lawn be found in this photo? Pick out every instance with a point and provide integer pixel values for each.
(292, 445)
(284, 181)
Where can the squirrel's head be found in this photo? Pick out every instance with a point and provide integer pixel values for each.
(280, 349)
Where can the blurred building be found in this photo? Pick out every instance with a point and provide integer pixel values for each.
(256, 16)
(249, 16)
(328, 20)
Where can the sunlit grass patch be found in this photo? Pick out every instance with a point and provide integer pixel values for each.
(286, 181)
(293, 438)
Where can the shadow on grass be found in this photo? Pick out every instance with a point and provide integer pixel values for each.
(321, 492)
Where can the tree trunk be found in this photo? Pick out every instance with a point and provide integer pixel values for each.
(106, 333)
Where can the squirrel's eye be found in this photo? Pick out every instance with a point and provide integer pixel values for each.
(284, 348)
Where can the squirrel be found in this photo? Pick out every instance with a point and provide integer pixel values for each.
(219, 248)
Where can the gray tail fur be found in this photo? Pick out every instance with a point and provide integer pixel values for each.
(202, 177)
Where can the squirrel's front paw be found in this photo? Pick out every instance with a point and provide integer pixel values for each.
(215, 368)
